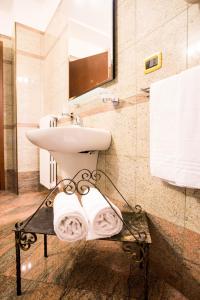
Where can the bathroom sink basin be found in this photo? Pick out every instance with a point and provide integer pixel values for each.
(70, 139)
(73, 147)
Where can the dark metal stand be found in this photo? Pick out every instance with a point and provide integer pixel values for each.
(18, 264)
(45, 245)
(134, 235)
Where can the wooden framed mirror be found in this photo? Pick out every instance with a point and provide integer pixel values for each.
(91, 48)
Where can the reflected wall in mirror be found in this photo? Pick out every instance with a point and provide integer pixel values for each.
(91, 44)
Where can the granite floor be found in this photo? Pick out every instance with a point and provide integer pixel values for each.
(93, 270)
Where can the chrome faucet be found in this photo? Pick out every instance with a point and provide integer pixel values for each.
(65, 114)
(78, 120)
(75, 119)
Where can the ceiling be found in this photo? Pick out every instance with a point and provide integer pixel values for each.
(34, 13)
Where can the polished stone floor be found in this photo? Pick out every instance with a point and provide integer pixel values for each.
(97, 270)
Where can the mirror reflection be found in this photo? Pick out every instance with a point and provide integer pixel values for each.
(90, 50)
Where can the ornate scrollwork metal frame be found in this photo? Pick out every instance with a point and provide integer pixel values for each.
(81, 184)
(26, 240)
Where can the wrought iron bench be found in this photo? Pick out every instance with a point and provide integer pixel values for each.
(135, 236)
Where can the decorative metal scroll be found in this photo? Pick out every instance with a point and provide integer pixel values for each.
(26, 239)
(131, 249)
(81, 184)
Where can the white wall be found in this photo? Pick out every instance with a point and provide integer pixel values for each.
(34, 13)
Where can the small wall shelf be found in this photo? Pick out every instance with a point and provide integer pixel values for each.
(135, 236)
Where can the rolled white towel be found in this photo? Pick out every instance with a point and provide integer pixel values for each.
(70, 222)
(103, 221)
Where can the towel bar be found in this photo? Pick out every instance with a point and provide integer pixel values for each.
(146, 90)
(135, 231)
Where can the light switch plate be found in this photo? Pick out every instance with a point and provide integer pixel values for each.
(153, 63)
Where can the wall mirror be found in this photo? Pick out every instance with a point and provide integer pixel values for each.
(91, 45)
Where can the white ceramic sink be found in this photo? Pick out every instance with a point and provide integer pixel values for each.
(71, 139)
(73, 147)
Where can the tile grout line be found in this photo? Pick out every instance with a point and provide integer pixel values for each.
(160, 26)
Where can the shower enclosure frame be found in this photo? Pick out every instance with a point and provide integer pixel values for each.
(135, 236)
(2, 166)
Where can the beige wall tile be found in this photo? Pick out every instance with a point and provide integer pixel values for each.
(56, 80)
(29, 108)
(29, 89)
(126, 26)
(158, 197)
(28, 156)
(28, 68)
(171, 39)
(121, 170)
(28, 40)
(192, 211)
(142, 143)
(126, 73)
(122, 124)
(101, 165)
(55, 103)
(193, 35)
(150, 14)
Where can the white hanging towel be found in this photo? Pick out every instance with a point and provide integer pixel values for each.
(175, 129)
(164, 106)
(188, 140)
(102, 220)
(70, 222)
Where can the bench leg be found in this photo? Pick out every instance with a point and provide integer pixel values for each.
(18, 263)
(141, 258)
(146, 270)
(45, 245)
